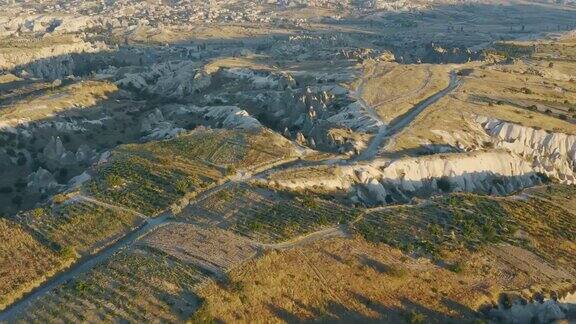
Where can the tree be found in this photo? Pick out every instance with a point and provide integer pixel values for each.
(114, 180)
(444, 184)
(17, 200)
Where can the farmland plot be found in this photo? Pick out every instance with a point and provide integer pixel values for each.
(78, 225)
(135, 285)
(212, 249)
(150, 177)
(466, 221)
(24, 261)
(266, 216)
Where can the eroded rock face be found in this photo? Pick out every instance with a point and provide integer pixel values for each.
(52, 61)
(384, 181)
(261, 80)
(553, 154)
(42, 181)
(56, 155)
(230, 117)
(172, 80)
(355, 117)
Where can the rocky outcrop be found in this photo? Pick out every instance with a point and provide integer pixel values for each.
(230, 117)
(261, 79)
(42, 181)
(156, 127)
(47, 60)
(78, 180)
(355, 117)
(384, 181)
(172, 80)
(553, 154)
(56, 155)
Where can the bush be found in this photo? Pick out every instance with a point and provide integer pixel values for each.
(444, 184)
(17, 200)
(67, 252)
(59, 198)
(457, 267)
(6, 190)
(231, 170)
(526, 90)
(415, 317)
(113, 180)
(488, 145)
(38, 212)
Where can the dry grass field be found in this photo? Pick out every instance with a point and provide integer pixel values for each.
(136, 285)
(363, 280)
(77, 95)
(24, 261)
(393, 89)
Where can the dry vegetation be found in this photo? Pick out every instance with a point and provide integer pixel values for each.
(77, 95)
(394, 89)
(151, 177)
(25, 261)
(137, 285)
(212, 249)
(455, 256)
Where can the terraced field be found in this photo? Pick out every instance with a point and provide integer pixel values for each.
(267, 216)
(150, 177)
(25, 261)
(209, 248)
(136, 285)
(79, 225)
(465, 221)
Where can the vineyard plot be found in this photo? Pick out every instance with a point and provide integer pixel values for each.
(152, 176)
(212, 249)
(135, 285)
(80, 225)
(24, 261)
(267, 216)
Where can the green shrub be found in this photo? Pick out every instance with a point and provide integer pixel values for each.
(415, 317)
(113, 180)
(444, 184)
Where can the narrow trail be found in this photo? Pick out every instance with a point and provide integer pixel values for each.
(330, 232)
(88, 262)
(386, 133)
(150, 224)
(82, 197)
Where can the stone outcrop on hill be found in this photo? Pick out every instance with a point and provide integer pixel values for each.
(47, 60)
(172, 80)
(553, 154)
(230, 117)
(383, 181)
(42, 181)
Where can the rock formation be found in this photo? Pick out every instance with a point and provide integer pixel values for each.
(379, 181)
(41, 181)
(173, 80)
(553, 154)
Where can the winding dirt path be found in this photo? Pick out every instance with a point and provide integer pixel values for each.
(88, 262)
(386, 133)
